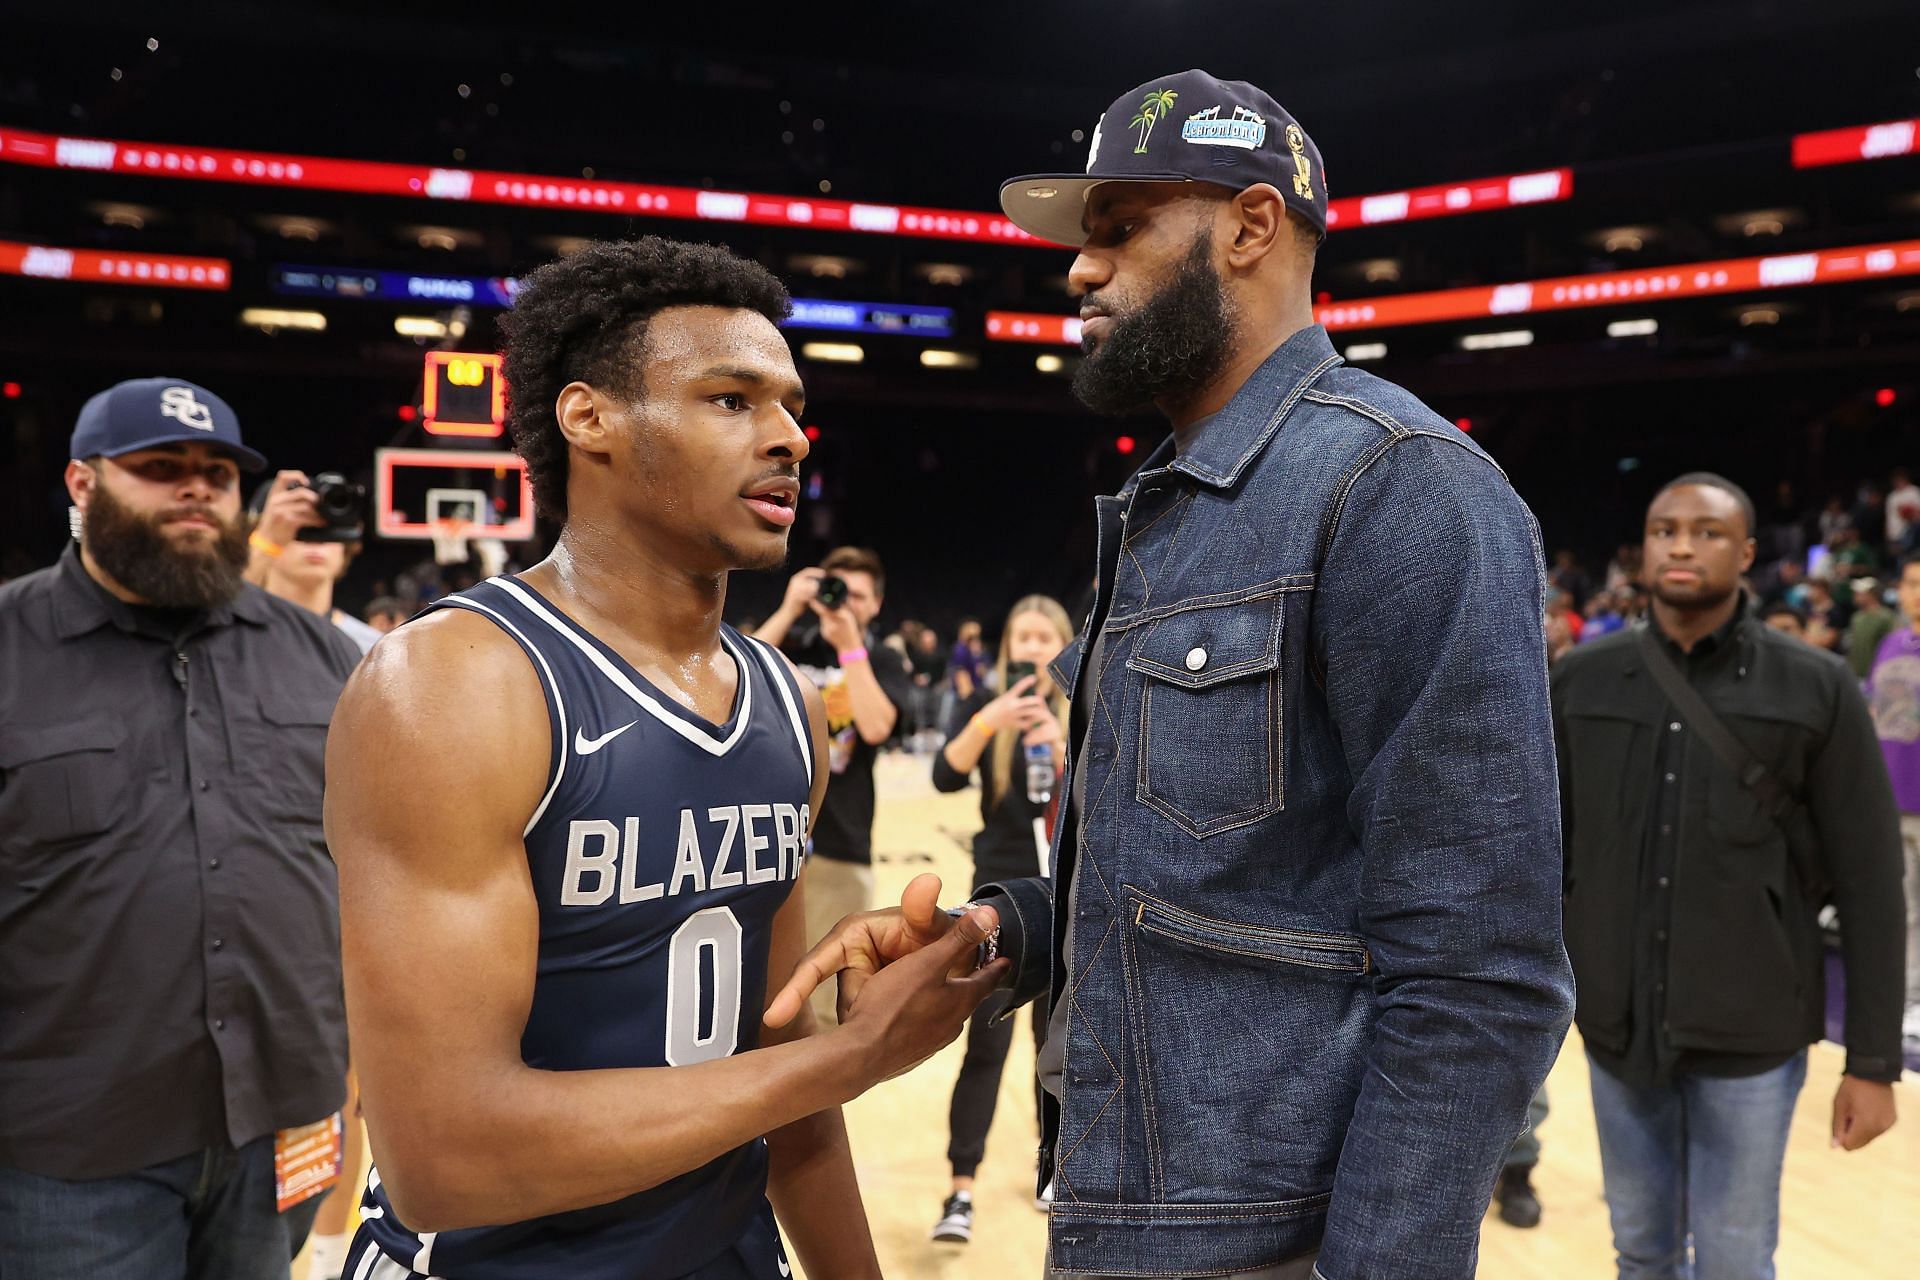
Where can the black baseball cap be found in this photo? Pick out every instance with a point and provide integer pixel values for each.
(1189, 127)
(145, 412)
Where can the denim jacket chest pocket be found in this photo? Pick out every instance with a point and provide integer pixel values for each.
(1213, 680)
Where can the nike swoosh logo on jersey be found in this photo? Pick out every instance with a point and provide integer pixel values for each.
(585, 746)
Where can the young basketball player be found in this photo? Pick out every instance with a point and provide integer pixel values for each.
(570, 809)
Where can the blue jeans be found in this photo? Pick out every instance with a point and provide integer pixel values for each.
(1696, 1162)
(207, 1216)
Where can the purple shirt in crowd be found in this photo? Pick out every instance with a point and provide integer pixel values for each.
(965, 659)
(1893, 692)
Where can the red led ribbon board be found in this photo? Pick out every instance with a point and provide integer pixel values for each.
(1565, 293)
(466, 395)
(481, 186)
(1861, 142)
(1450, 198)
(1032, 326)
(1614, 288)
(166, 270)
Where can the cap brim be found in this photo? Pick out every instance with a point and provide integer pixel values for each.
(248, 459)
(1053, 206)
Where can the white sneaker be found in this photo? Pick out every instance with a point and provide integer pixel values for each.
(956, 1220)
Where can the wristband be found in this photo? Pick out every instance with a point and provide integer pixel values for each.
(979, 724)
(851, 656)
(264, 545)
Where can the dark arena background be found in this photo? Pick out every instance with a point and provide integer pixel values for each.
(1614, 242)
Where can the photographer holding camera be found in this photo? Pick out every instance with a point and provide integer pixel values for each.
(865, 685)
(305, 535)
(170, 955)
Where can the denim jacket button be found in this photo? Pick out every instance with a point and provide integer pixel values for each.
(1196, 658)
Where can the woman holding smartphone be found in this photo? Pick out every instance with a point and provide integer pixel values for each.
(1016, 743)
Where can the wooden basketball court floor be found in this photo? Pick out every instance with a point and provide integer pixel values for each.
(1852, 1215)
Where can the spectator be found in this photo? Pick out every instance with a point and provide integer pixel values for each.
(1691, 898)
(1785, 618)
(990, 741)
(1903, 511)
(1559, 635)
(965, 664)
(1561, 603)
(1872, 623)
(1789, 586)
(929, 663)
(386, 613)
(1852, 557)
(965, 670)
(1869, 514)
(302, 573)
(1603, 617)
(1826, 619)
(1894, 694)
(1624, 569)
(866, 686)
(1570, 578)
(1833, 519)
(171, 973)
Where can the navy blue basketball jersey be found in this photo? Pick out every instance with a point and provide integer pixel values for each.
(660, 852)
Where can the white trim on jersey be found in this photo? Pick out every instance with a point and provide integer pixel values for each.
(385, 1268)
(572, 634)
(559, 704)
(423, 1260)
(775, 663)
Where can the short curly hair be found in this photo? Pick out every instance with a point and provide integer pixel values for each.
(584, 318)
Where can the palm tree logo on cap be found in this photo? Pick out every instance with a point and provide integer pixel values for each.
(1152, 107)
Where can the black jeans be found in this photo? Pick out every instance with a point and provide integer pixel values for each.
(978, 1088)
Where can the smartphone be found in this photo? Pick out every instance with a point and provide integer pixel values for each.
(1018, 671)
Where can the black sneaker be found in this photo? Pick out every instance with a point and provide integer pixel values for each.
(1519, 1206)
(956, 1219)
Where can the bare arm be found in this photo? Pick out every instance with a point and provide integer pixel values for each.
(874, 714)
(810, 1176)
(434, 886)
(802, 589)
(290, 507)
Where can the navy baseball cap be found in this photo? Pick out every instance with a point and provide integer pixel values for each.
(146, 412)
(1189, 127)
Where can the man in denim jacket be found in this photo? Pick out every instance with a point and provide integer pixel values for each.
(1311, 968)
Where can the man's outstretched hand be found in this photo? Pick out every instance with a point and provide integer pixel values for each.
(861, 945)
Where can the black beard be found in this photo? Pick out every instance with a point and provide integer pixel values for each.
(1165, 349)
(137, 553)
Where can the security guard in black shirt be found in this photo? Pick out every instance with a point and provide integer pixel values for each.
(169, 937)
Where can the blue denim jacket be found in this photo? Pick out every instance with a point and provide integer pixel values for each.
(1317, 965)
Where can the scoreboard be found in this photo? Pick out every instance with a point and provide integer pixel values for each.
(466, 395)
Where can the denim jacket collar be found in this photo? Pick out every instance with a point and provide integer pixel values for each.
(1239, 432)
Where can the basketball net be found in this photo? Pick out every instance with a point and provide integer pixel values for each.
(450, 541)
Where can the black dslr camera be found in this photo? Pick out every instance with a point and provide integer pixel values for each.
(342, 504)
(833, 591)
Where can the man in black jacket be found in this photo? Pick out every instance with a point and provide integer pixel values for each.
(1691, 901)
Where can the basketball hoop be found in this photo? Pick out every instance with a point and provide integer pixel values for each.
(450, 541)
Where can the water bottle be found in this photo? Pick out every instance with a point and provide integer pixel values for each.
(1039, 773)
